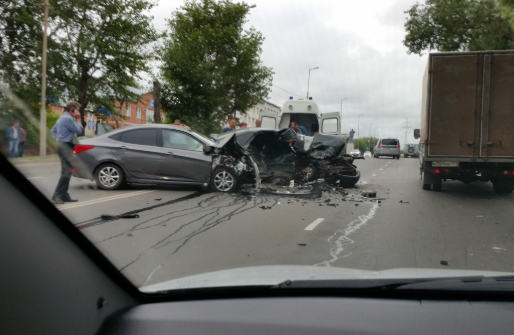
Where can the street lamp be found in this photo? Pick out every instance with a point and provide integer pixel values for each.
(358, 130)
(308, 81)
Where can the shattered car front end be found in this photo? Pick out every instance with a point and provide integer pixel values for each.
(279, 156)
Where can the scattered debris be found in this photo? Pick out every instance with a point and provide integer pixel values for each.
(379, 201)
(444, 263)
(479, 216)
(333, 205)
(356, 204)
(320, 205)
(265, 207)
(302, 244)
(498, 249)
(327, 201)
(129, 235)
(158, 199)
(404, 202)
(115, 217)
(369, 194)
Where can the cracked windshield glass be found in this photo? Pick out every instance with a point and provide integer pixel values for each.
(218, 143)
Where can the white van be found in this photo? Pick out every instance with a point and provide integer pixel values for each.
(305, 113)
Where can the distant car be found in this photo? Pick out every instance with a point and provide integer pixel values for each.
(411, 150)
(388, 147)
(355, 153)
(367, 154)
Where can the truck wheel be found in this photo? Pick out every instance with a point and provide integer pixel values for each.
(502, 188)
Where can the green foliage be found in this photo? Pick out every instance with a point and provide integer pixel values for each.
(211, 66)
(98, 49)
(458, 25)
(363, 145)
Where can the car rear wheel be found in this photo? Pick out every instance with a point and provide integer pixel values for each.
(109, 177)
(224, 180)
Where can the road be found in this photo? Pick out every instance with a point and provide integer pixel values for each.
(182, 232)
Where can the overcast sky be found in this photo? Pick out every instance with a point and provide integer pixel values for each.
(358, 48)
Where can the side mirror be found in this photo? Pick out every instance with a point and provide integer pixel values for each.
(208, 149)
(416, 133)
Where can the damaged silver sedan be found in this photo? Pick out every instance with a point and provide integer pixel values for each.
(170, 155)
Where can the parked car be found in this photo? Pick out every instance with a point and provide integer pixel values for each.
(411, 150)
(367, 154)
(173, 155)
(355, 153)
(388, 147)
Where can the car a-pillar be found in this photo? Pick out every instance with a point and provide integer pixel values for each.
(430, 180)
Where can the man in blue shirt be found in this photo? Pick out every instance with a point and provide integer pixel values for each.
(13, 136)
(64, 132)
(231, 126)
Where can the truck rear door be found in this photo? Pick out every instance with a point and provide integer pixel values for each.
(268, 119)
(451, 123)
(497, 133)
(330, 123)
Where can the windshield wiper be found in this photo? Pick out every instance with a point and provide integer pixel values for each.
(474, 283)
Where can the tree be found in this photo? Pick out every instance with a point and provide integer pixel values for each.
(458, 25)
(99, 49)
(210, 64)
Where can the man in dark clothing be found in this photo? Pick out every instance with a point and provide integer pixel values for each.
(298, 129)
(64, 132)
(21, 144)
(231, 126)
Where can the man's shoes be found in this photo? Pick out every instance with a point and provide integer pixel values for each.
(57, 201)
(70, 200)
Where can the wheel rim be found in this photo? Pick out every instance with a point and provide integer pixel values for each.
(223, 181)
(109, 176)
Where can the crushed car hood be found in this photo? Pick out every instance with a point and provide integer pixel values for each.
(231, 146)
(276, 274)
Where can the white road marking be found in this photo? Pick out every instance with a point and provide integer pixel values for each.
(314, 224)
(102, 200)
(374, 175)
(341, 236)
(34, 178)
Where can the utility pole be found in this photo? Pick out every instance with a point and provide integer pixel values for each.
(406, 127)
(42, 113)
(157, 102)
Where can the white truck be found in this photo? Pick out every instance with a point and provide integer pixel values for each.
(305, 113)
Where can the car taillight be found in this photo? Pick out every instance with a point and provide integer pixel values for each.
(507, 172)
(73, 169)
(379, 145)
(80, 148)
(398, 145)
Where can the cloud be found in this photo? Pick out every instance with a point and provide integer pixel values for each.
(358, 48)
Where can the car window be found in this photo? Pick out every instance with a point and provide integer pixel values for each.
(389, 142)
(329, 126)
(140, 136)
(178, 140)
(268, 122)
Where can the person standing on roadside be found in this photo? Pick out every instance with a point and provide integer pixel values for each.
(258, 123)
(21, 145)
(13, 136)
(64, 132)
(231, 126)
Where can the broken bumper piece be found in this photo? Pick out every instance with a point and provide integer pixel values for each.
(348, 181)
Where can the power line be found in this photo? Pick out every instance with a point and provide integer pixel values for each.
(301, 96)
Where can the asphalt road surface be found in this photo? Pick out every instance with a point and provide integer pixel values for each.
(183, 231)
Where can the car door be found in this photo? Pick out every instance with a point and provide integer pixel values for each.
(138, 153)
(330, 123)
(184, 159)
(268, 119)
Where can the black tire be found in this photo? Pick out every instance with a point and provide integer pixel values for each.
(109, 176)
(502, 188)
(424, 185)
(223, 180)
(436, 187)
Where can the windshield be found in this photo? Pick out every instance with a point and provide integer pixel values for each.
(118, 135)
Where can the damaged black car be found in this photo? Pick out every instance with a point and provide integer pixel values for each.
(172, 155)
(258, 155)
